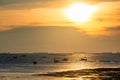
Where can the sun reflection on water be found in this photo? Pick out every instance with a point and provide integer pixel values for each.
(78, 66)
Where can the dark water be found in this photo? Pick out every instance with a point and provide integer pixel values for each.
(61, 67)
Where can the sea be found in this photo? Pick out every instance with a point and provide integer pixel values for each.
(60, 66)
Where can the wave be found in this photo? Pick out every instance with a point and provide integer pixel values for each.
(107, 73)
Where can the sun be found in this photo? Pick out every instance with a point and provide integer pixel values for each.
(80, 12)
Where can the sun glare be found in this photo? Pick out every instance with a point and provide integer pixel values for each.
(80, 12)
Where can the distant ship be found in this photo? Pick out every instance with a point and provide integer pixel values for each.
(83, 59)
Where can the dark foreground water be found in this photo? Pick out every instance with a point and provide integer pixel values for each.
(60, 67)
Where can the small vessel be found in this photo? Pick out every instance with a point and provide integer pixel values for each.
(83, 59)
(65, 59)
(56, 60)
(34, 62)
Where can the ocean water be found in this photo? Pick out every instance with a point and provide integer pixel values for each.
(19, 67)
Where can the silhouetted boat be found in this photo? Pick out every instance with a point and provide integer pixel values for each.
(56, 60)
(34, 62)
(65, 59)
(15, 57)
(83, 59)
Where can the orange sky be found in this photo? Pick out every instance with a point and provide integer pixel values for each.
(52, 14)
(41, 26)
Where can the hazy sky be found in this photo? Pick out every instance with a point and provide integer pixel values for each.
(42, 26)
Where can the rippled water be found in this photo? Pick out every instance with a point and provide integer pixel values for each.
(24, 71)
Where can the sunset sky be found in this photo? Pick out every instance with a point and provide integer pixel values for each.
(46, 26)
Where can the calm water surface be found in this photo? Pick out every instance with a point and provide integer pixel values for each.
(74, 62)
